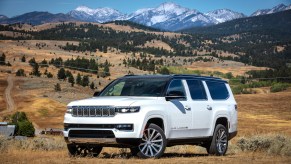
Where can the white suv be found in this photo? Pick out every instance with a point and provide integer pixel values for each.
(148, 113)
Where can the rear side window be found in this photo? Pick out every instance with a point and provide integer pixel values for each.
(218, 91)
(197, 90)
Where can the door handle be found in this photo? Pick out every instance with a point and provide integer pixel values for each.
(209, 107)
(187, 108)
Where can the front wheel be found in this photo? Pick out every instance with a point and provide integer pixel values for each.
(219, 143)
(153, 143)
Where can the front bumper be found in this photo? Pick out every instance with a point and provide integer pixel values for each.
(113, 142)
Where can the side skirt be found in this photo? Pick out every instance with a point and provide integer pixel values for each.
(188, 141)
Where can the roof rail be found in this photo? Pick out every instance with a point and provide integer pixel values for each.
(183, 75)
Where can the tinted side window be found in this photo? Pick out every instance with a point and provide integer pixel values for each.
(197, 90)
(218, 91)
(176, 88)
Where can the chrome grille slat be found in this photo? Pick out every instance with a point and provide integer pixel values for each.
(93, 111)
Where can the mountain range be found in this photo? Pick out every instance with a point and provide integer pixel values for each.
(167, 16)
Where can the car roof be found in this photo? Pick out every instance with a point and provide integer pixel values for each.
(176, 76)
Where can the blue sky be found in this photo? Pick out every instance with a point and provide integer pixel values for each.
(17, 7)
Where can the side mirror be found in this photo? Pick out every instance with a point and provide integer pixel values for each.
(96, 94)
(173, 95)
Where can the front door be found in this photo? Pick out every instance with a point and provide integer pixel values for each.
(179, 111)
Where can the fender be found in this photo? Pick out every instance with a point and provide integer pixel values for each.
(150, 117)
(216, 118)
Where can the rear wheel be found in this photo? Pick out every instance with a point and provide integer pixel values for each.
(219, 143)
(78, 150)
(153, 143)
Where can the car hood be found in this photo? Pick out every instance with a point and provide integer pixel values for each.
(110, 101)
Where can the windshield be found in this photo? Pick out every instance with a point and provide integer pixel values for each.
(136, 87)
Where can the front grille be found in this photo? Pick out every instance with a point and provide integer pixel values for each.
(93, 111)
(91, 134)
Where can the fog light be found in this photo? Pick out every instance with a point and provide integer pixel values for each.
(124, 127)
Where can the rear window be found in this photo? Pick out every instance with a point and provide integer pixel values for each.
(218, 91)
(197, 90)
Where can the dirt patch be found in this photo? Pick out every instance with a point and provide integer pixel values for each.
(3, 85)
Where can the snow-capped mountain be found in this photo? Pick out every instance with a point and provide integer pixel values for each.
(99, 15)
(170, 16)
(278, 8)
(167, 16)
(223, 15)
(3, 17)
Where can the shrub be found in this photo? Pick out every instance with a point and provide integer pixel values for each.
(58, 87)
(25, 128)
(277, 87)
(20, 72)
(40, 144)
(49, 75)
(164, 71)
(272, 144)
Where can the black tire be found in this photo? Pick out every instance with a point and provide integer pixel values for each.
(134, 151)
(153, 142)
(83, 151)
(96, 150)
(219, 142)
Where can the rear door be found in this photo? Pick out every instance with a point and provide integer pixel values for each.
(201, 108)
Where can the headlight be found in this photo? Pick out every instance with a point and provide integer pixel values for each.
(69, 109)
(132, 109)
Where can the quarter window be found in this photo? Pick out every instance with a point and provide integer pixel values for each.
(197, 90)
(218, 91)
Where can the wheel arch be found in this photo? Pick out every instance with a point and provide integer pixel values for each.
(155, 119)
(158, 121)
(223, 120)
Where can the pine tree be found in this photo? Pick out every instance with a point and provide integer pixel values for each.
(20, 72)
(106, 69)
(62, 74)
(2, 59)
(79, 79)
(32, 61)
(49, 75)
(23, 59)
(71, 80)
(58, 87)
(92, 85)
(85, 81)
(35, 70)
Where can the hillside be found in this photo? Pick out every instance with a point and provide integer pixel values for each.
(37, 18)
(263, 39)
(276, 25)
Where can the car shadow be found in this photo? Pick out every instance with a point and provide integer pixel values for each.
(165, 155)
(184, 155)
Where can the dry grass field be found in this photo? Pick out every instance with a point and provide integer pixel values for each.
(264, 114)
(259, 114)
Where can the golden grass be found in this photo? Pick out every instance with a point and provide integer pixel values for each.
(158, 44)
(53, 150)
